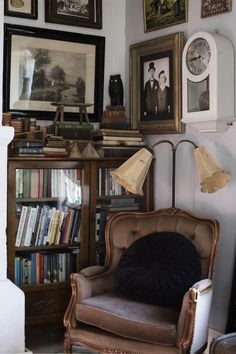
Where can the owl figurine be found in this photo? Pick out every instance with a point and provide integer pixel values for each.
(116, 90)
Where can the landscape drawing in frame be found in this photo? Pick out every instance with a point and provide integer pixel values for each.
(43, 66)
(164, 13)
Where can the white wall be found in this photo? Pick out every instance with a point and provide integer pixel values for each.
(221, 205)
(113, 29)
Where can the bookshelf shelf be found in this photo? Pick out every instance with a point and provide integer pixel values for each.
(53, 209)
(46, 248)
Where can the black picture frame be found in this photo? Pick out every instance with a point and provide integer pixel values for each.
(88, 15)
(40, 67)
(28, 9)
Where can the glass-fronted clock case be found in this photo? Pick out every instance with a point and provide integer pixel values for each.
(198, 95)
(208, 82)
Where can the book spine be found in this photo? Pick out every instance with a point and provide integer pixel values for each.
(21, 226)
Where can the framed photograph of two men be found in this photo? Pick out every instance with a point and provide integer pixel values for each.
(155, 85)
(164, 13)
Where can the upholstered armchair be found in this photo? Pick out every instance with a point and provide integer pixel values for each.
(101, 318)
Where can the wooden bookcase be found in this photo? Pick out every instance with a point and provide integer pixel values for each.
(40, 263)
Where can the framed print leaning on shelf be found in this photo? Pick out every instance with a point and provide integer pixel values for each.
(164, 13)
(86, 13)
(215, 7)
(21, 8)
(43, 66)
(155, 85)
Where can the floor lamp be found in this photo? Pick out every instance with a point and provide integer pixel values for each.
(132, 173)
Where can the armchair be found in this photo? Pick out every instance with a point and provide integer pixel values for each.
(101, 318)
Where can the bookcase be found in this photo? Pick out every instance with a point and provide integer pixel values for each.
(57, 211)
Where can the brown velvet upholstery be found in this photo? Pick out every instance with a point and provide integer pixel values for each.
(99, 317)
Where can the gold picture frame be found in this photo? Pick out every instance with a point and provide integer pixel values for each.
(215, 7)
(164, 13)
(148, 110)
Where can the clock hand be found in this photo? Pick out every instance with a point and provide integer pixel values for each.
(195, 58)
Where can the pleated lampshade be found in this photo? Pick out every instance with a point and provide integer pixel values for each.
(132, 173)
(212, 177)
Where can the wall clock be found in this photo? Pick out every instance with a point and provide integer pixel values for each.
(208, 82)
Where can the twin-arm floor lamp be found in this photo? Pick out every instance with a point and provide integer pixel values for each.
(132, 173)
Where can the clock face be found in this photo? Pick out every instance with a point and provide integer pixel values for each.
(198, 56)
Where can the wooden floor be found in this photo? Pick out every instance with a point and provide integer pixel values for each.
(52, 343)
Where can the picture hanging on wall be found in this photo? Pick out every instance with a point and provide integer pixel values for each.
(164, 13)
(86, 13)
(155, 85)
(215, 7)
(21, 8)
(43, 66)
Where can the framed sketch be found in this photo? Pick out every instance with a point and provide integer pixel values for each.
(85, 13)
(164, 13)
(21, 8)
(43, 66)
(155, 85)
(215, 7)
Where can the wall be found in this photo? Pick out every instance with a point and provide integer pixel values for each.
(113, 29)
(221, 205)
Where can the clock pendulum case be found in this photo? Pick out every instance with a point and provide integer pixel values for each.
(208, 82)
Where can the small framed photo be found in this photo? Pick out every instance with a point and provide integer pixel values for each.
(155, 85)
(21, 8)
(43, 66)
(164, 13)
(215, 7)
(86, 13)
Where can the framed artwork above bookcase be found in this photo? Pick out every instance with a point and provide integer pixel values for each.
(56, 225)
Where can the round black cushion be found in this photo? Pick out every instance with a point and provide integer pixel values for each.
(159, 268)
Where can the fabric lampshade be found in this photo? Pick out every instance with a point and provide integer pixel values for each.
(132, 173)
(212, 177)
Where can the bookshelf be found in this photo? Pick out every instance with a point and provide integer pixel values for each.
(55, 207)
(109, 198)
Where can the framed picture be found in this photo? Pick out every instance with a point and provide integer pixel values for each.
(164, 13)
(21, 8)
(215, 7)
(43, 66)
(155, 85)
(86, 13)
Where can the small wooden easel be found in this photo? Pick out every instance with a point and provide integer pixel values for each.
(60, 110)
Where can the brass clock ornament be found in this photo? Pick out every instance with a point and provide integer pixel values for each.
(208, 82)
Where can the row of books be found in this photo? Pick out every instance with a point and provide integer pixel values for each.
(105, 210)
(106, 185)
(42, 226)
(49, 183)
(28, 147)
(41, 268)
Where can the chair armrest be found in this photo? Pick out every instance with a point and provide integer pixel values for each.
(194, 317)
(94, 281)
(89, 282)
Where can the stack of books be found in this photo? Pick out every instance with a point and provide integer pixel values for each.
(27, 148)
(55, 146)
(74, 130)
(117, 143)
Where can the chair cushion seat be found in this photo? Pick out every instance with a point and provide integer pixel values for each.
(117, 314)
